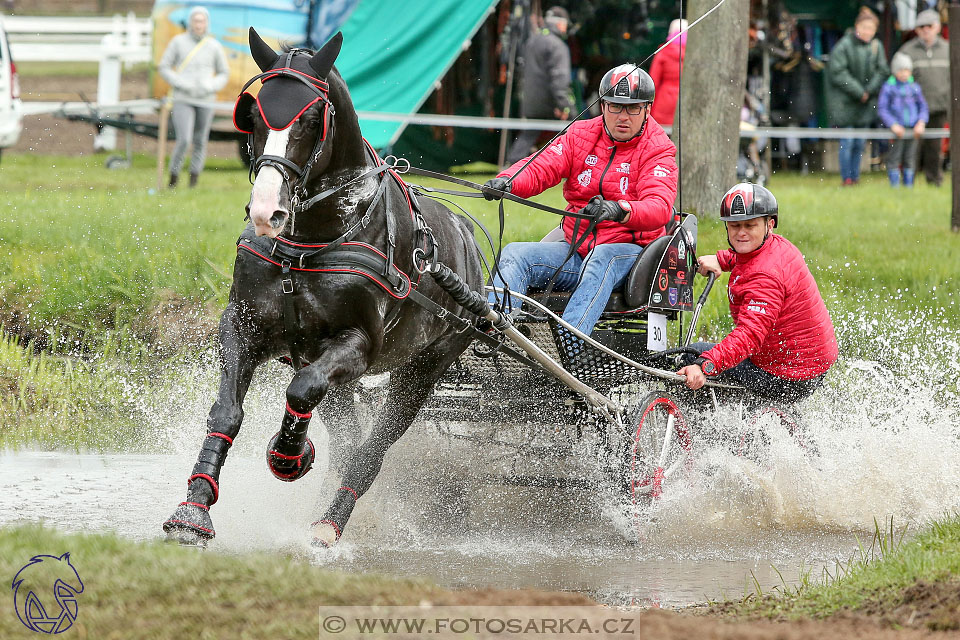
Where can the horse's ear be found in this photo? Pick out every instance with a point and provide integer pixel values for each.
(262, 53)
(322, 61)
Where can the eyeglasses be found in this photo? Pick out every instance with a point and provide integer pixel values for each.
(632, 109)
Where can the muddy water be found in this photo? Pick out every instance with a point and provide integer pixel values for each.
(886, 437)
(513, 537)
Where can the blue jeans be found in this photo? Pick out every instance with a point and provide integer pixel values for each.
(531, 264)
(851, 149)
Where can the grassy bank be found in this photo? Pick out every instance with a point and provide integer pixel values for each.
(104, 275)
(904, 582)
(154, 590)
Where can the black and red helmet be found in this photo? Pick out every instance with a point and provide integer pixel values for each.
(627, 84)
(746, 201)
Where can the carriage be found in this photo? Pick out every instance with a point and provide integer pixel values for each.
(630, 409)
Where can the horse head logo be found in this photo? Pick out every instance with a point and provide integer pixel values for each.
(41, 576)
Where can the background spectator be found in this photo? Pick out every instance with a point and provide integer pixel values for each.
(196, 68)
(856, 71)
(545, 90)
(665, 71)
(901, 106)
(930, 54)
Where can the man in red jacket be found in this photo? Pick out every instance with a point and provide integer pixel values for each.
(619, 168)
(783, 343)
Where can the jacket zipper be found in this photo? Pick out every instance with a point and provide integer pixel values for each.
(606, 168)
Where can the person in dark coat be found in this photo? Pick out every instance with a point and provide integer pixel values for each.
(545, 89)
(930, 54)
(856, 71)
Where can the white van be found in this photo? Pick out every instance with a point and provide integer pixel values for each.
(11, 111)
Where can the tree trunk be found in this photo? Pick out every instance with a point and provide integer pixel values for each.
(712, 86)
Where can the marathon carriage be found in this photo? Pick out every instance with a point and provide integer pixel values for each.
(618, 395)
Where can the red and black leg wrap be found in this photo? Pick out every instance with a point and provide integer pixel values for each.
(290, 453)
(191, 519)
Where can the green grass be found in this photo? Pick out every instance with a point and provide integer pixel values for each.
(873, 581)
(154, 590)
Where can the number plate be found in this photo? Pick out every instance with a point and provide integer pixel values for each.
(656, 331)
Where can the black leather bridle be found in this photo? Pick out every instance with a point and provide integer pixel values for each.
(290, 171)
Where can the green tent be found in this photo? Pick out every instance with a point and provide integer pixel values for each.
(394, 53)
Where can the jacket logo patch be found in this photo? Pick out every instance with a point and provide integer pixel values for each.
(757, 307)
(585, 177)
(557, 148)
(659, 172)
(591, 160)
(624, 181)
(624, 167)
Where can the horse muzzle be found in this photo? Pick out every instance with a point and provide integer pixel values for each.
(269, 224)
(269, 207)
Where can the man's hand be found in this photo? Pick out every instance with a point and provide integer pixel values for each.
(709, 264)
(919, 128)
(897, 130)
(601, 210)
(695, 377)
(494, 188)
(561, 114)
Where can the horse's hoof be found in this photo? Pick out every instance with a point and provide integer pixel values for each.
(290, 468)
(190, 525)
(325, 534)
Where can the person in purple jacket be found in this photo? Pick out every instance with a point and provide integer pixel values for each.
(901, 106)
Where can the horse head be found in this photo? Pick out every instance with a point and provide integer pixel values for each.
(291, 124)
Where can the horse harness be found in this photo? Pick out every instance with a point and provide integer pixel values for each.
(342, 255)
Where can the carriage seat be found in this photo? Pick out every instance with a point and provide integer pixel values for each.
(636, 288)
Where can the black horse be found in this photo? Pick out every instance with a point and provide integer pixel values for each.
(327, 275)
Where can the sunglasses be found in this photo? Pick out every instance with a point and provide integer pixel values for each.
(632, 109)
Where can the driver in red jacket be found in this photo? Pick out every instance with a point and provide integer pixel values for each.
(783, 343)
(618, 168)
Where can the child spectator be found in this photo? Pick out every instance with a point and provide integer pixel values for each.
(902, 106)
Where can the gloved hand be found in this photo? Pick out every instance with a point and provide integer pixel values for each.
(601, 210)
(493, 186)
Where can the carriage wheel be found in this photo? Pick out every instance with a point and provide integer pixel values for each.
(660, 446)
(765, 421)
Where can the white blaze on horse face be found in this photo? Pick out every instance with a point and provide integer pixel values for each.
(265, 195)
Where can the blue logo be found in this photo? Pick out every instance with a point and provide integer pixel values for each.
(45, 594)
(672, 296)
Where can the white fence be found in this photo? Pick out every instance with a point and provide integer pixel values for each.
(57, 39)
(112, 42)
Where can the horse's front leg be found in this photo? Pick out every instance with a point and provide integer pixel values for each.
(191, 522)
(290, 454)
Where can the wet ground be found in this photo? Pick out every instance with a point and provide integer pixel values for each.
(513, 537)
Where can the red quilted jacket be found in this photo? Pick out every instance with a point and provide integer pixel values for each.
(641, 171)
(782, 322)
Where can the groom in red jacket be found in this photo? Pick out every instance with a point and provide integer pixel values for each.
(783, 343)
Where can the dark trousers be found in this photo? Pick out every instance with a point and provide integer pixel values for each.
(930, 157)
(748, 375)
